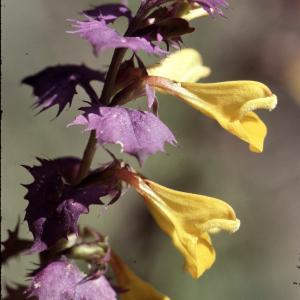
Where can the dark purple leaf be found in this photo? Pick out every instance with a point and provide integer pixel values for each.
(57, 85)
(16, 293)
(54, 205)
(14, 245)
(140, 133)
(109, 12)
(103, 37)
(61, 280)
(148, 5)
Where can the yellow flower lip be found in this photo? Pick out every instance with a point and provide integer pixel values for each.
(187, 218)
(268, 103)
(231, 104)
(216, 225)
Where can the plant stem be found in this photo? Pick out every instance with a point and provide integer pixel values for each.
(91, 146)
(87, 158)
(112, 74)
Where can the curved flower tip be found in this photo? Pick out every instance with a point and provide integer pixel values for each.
(230, 103)
(182, 65)
(134, 287)
(188, 219)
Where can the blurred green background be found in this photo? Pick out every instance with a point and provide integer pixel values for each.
(258, 40)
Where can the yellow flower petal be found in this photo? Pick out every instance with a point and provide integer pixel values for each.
(230, 103)
(182, 65)
(194, 13)
(185, 11)
(188, 219)
(136, 288)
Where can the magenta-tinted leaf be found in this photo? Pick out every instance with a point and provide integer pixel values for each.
(57, 85)
(14, 245)
(54, 205)
(140, 133)
(109, 12)
(103, 37)
(62, 280)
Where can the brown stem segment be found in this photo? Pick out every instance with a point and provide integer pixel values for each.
(91, 146)
(112, 74)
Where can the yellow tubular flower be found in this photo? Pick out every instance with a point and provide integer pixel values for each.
(135, 288)
(194, 13)
(191, 66)
(231, 103)
(187, 12)
(188, 219)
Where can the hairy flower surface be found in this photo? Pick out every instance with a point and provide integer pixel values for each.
(134, 287)
(54, 204)
(188, 219)
(231, 104)
(57, 85)
(140, 133)
(103, 37)
(61, 280)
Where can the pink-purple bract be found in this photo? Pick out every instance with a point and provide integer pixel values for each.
(103, 37)
(140, 133)
(62, 280)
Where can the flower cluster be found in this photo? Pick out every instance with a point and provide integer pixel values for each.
(64, 188)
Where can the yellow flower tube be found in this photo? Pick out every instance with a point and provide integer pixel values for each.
(188, 219)
(191, 66)
(190, 12)
(134, 287)
(231, 104)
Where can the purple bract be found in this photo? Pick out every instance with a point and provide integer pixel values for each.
(109, 12)
(140, 133)
(54, 204)
(103, 37)
(61, 280)
(14, 245)
(57, 85)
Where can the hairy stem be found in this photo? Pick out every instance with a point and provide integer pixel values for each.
(90, 148)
